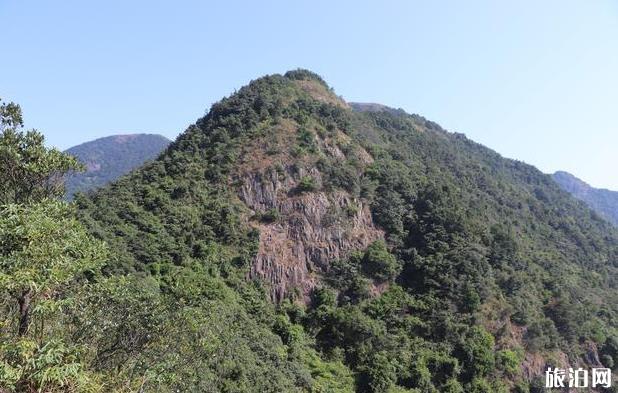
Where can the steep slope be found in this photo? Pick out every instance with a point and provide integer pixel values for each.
(108, 158)
(419, 258)
(604, 202)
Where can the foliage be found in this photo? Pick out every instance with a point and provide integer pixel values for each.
(109, 158)
(379, 263)
(43, 251)
(302, 74)
(30, 171)
(478, 251)
(307, 184)
(269, 216)
(510, 360)
(604, 202)
(29, 366)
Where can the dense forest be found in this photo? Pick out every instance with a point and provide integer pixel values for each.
(290, 242)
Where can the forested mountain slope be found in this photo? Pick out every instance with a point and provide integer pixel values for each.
(604, 202)
(108, 158)
(312, 247)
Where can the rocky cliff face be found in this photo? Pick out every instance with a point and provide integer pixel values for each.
(306, 229)
(309, 233)
(311, 228)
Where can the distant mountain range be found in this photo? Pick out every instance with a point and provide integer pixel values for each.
(106, 159)
(604, 202)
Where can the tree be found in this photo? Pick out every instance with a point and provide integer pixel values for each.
(30, 172)
(10, 116)
(379, 263)
(41, 246)
(381, 374)
(42, 249)
(477, 351)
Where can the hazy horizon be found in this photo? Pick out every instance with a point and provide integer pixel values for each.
(535, 82)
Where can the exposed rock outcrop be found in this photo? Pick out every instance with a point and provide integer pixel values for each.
(313, 229)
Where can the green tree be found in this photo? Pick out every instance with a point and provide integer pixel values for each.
(43, 249)
(31, 172)
(478, 352)
(380, 373)
(379, 263)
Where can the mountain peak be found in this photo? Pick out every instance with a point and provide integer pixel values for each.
(374, 107)
(110, 157)
(306, 75)
(380, 226)
(315, 86)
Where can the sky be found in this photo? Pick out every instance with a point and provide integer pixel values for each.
(534, 80)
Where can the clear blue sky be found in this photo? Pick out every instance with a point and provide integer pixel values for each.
(534, 80)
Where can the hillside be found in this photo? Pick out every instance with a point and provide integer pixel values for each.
(604, 202)
(373, 107)
(290, 243)
(108, 158)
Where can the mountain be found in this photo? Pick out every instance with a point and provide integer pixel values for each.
(290, 243)
(604, 202)
(108, 158)
(373, 107)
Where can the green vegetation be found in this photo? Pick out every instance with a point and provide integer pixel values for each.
(43, 252)
(106, 159)
(484, 260)
(30, 172)
(604, 202)
(379, 263)
(269, 216)
(307, 184)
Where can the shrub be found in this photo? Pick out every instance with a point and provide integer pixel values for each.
(379, 263)
(477, 352)
(269, 216)
(302, 74)
(307, 184)
(306, 140)
(509, 360)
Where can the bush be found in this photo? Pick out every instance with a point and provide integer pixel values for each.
(379, 263)
(509, 360)
(324, 296)
(477, 352)
(269, 216)
(307, 184)
(607, 361)
(302, 74)
(380, 375)
(480, 385)
(306, 140)
(452, 386)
